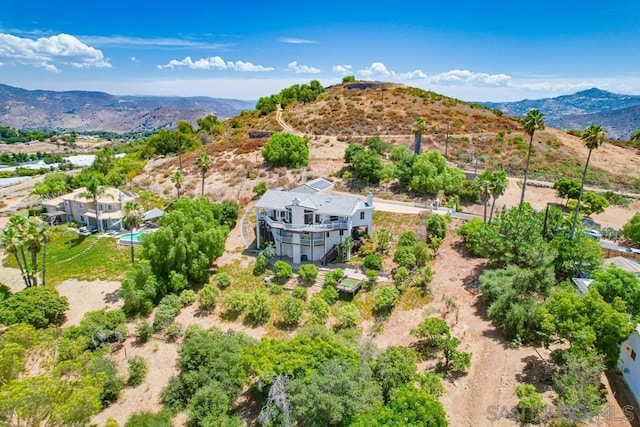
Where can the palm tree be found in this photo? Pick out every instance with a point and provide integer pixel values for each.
(12, 244)
(132, 219)
(32, 239)
(419, 126)
(204, 164)
(177, 179)
(499, 185)
(532, 121)
(593, 137)
(94, 191)
(46, 234)
(483, 181)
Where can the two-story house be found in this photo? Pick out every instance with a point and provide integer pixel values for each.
(306, 226)
(80, 209)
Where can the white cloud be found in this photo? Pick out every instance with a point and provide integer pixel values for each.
(154, 42)
(214, 63)
(50, 52)
(342, 69)
(293, 40)
(134, 59)
(467, 77)
(413, 75)
(300, 68)
(376, 69)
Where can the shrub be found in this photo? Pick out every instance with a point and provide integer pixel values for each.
(188, 296)
(174, 331)
(329, 294)
(372, 278)
(408, 238)
(373, 261)
(405, 257)
(261, 265)
(421, 253)
(400, 275)
(385, 299)
(300, 293)
(234, 303)
(332, 277)
(137, 370)
(276, 289)
(291, 310)
(347, 316)
(285, 149)
(37, 306)
(150, 419)
(113, 385)
(99, 327)
(530, 404)
(308, 273)
(143, 331)
(224, 280)
(319, 309)
(260, 188)
(167, 310)
(258, 307)
(282, 270)
(207, 297)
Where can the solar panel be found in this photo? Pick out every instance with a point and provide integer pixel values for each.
(320, 184)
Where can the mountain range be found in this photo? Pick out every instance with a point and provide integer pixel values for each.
(99, 111)
(618, 114)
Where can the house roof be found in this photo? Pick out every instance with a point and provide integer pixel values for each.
(112, 195)
(582, 284)
(325, 204)
(623, 263)
(317, 185)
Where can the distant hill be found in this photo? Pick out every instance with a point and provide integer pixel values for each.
(618, 114)
(99, 111)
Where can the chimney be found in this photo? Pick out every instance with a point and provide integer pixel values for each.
(295, 201)
(369, 199)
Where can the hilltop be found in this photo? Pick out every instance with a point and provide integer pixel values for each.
(99, 111)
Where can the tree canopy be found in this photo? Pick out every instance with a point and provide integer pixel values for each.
(285, 149)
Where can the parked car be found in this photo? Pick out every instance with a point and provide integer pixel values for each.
(594, 234)
(92, 229)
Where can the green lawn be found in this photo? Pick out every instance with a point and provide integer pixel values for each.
(73, 256)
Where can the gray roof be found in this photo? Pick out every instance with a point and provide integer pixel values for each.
(314, 186)
(326, 204)
(623, 263)
(582, 284)
(153, 214)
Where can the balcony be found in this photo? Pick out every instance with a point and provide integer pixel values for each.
(310, 228)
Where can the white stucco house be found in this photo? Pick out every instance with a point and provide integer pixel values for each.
(629, 364)
(305, 226)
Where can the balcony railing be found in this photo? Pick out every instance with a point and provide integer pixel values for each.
(318, 227)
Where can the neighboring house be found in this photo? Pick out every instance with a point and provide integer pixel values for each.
(624, 263)
(318, 185)
(82, 210)
(629, 364)
(307, 226)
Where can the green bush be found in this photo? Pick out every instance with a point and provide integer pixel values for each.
(329, 294)
(137, 370)
(234, 303)
(291, 310)
(373, 262)
(420, 251)
(285, 149)
(408, 238)
(258, 307)
(276, 289)
(174, 331)
(400, 275)
(282, 270)
(261, 265)
(405, 257)
(113, 385)
(260, 188)
(99, 327)
(150, 419)
(530, 405)
(144, 331)
(319, 309)
(332, 277)
(385, 299)
(207, 297)
(167, 310)
(372, 278)
(347, 316)
(308, 273)
(37, 306)
(224, 280)
(300, 293)
(188, 296)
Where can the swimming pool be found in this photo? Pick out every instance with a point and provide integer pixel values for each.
(128, 238)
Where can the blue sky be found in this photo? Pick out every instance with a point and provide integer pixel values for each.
(490, 50)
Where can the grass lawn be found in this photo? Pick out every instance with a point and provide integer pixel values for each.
(73, 256)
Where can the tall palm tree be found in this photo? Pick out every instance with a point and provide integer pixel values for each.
(12, 244)
(532, 121)
(204, 163)
(132, 219)
(419, 126)
(95, 190)
(177, 180)
(32, 239)
(483, 181)
(46, 234)
(499, 183)
(593, 137)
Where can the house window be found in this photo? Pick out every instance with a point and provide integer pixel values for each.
(342, 232)
(80, 205)
(282, 214)
(100, 207)
(362, 215)
(82, 218)
(317, 219)
(333, 218)
(327, 234)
